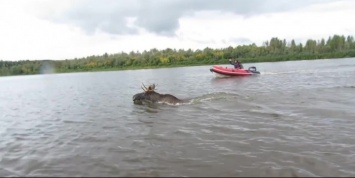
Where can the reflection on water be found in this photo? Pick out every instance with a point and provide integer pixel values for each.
(295, 119)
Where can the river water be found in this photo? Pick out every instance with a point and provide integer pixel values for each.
(295, 119)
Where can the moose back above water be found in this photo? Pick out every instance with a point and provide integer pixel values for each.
(150, 95)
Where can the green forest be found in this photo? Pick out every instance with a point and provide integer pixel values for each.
(336, 46)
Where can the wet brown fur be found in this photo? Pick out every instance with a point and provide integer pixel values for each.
(149, 94)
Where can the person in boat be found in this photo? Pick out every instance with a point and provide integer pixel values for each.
(236, 64)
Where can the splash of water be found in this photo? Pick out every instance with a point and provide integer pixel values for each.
(47, 68)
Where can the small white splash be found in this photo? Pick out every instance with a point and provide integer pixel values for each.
(269, 73)
(170, 104)
(47, 68)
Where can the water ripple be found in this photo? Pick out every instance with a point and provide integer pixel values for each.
(291, 121)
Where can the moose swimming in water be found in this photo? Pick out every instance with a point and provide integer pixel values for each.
(150, 95)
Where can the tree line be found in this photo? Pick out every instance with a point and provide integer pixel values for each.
(336, 46)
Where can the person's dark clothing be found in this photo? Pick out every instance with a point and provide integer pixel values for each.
(236, 64)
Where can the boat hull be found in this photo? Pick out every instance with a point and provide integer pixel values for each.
(227, 71)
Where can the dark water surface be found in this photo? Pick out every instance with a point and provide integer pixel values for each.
(295, 119)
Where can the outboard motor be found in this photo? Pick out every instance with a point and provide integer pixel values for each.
(253, 70)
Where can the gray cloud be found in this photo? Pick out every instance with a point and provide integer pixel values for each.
(161, 16)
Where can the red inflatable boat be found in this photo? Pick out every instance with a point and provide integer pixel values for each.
(228, 71)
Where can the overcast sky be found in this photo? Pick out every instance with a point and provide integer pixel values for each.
(65, 29)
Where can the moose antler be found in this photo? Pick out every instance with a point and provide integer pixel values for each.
(145, 89)
(150, 87)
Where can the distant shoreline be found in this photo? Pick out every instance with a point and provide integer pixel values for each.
(164, 67)
(275, 50)
(190, 65)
